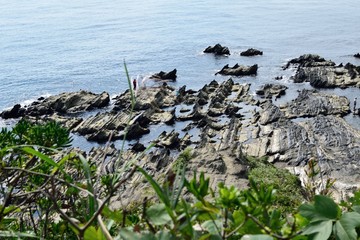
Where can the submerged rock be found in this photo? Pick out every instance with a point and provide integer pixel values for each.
(217, 50)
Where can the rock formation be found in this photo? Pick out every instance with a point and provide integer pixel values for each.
(238, 70)
(251, 52)
(165, 75)
(324, 74)
(217, 50)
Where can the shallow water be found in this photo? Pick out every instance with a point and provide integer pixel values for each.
(49, 46)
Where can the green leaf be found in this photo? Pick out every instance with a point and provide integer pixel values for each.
(257, 237)
(40, 155)
(128, 234)
(87, 171)
(345, 228)
(164, 235)
(320, 230)
(324, 208)
(158, 215)
(162, 196)
(356, 208)
(10, 234)
(213, 227)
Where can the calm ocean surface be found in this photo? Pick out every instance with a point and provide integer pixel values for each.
(51, 46)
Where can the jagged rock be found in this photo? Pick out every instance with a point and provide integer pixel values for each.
(309, 60)
(270, 113)
(16, 112)
(269, 90)
(357, 55)
(165, 75)
(64, 103)
(217, 50)
(135, 131)
(170, 140)
(251, 52)
(138, 147)
(195, 115)
(324, 74)
(65, 121)
(238, 70)
(156, 97)
(156, 115)
(310, 103)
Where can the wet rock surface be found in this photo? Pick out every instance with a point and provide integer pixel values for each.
(217, 50)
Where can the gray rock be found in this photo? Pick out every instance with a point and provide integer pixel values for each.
(251, 52)
(269, 90)
(238, 70)
(311, 103)
(217, 50)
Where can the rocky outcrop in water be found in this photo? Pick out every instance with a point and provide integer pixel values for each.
(309, 60)
(357, 55)
(162, 76)
(269, 90)
(251, 52)
(324, 74)
(238, 70)
(64, 103)
(217, 50)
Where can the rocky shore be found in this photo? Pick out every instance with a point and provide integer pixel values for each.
(222, 122)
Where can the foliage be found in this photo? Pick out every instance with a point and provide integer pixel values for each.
(314, 186)
(50, 135)
(288, 186)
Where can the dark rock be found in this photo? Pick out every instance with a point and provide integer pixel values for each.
(64, 103)
(311, 103)
(329, 76)
(217, 50)
(170, 140)
(135, 131)
(238, 70)
(251, 52)
(309, 60)
(357, 55)
(165, 75)
(138, 147)
(16, 112)
(270, 90)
